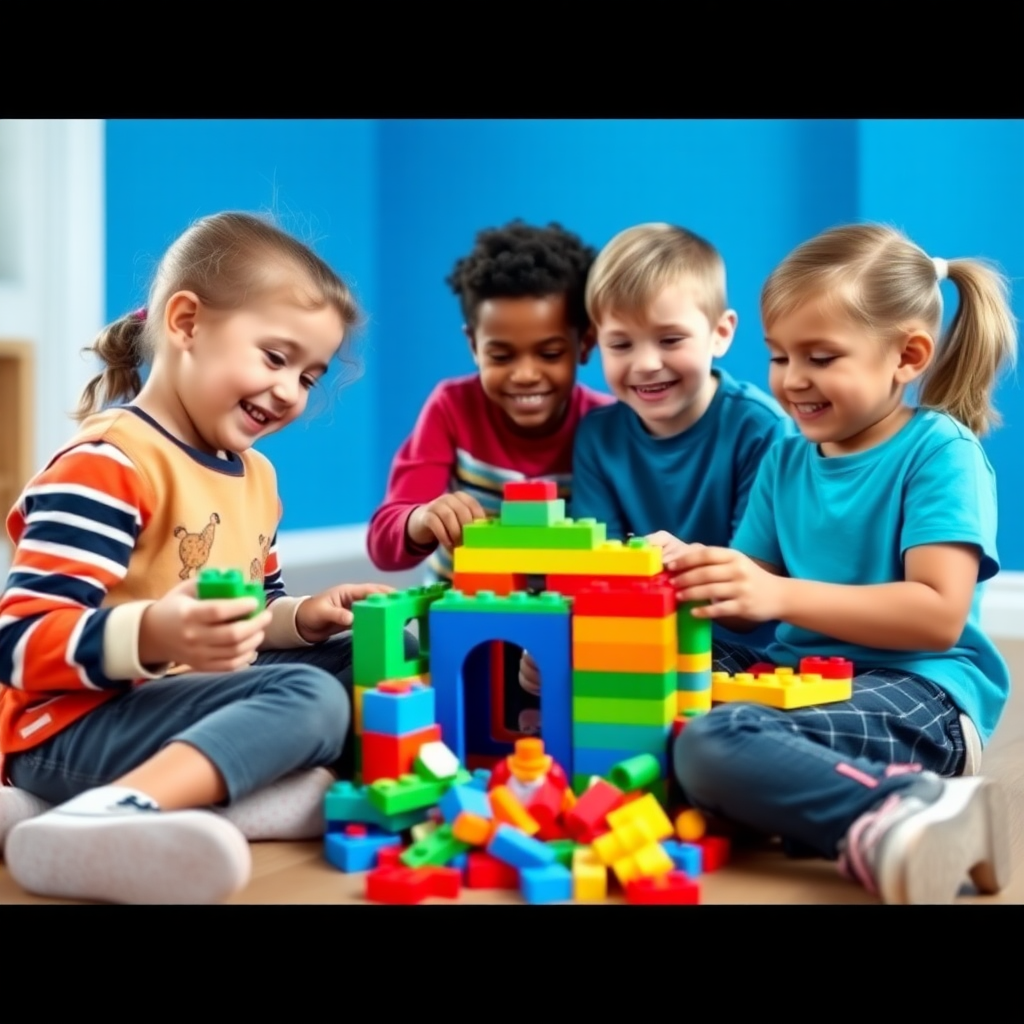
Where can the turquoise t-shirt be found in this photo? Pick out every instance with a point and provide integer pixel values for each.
(694, 485)
(850, 519)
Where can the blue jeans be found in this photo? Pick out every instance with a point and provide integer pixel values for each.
(285, 713)
(806, 775)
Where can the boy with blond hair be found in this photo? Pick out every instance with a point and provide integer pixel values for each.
(674, 459)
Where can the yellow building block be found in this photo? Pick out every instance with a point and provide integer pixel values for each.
(646, 809)
(589, 877)
(647, 862)
(785, 690)
(694, 700)
(590, 657)
(613, 558)
(357, 700)
(693, 662)
(606, 629)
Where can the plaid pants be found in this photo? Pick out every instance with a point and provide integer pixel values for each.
(806, 775)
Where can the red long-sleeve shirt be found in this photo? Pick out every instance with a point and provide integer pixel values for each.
(461, 442)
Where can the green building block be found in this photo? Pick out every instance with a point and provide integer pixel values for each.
(347, 802)
(580, 784)
(644, 739)
(566, 535)
(434, 850)
(378, 628)
(694, 635)
(564, 849)
(617, 711)
(635, 773)
(624, 685)
(532, 513)
(410, 792)
(518, 601)
(216, 584)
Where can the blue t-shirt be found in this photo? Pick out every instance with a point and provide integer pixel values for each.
(694, 485)
(850, 520)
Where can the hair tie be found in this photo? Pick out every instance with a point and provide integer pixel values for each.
(941, 268)
(139, 314)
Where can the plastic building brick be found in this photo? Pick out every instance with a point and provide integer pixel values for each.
(388, 757)
(518, 603)
(403, 885)
(440, 847)
(567, 535)
(827, 668)
(355, 849)
(576, 584)
(588, 818)
(644, 599)
(600, 761)
(486, 872)
(435, 761)
(636, 773)
(606, 629)
(687, 857)
(408, 792)
(546, 809)
(389, 856)
(634, 558)
(647, 811)
(518, 849)
(502, 583)
(395, 710)
(533, 513)
(565, 850)
(624, 685)
(591, 657)
(694, 700)
(345, 803)
(714, 852)
(550, 883)
(673, 887)
(530, 490)
(507, 809)
(378, 625)
(693, 634)
(784, 690)
(217, 584)
(694, 662)
(465, 799)
(660, 711)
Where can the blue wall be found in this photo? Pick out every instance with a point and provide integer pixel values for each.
(397, 202)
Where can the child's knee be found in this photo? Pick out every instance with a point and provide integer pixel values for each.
(326, 710)
(698, 751)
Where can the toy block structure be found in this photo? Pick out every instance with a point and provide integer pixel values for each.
(786, 689)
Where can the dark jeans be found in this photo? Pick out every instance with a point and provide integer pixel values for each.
(806, 775)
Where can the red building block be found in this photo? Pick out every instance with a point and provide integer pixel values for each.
(388, 856)
(572, 585)
(638, 599)
(545, 807)
(762, 668)
(530, 490)
(586, 821)
(673, 887)
(388, 757)
(715, 852)
(486, 872)
(827, 668)
(404, 885)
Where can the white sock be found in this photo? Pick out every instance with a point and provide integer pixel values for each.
(17, 805)
(291, 808)
(114, 845)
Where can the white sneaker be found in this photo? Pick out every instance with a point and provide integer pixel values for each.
(16, 806)
(115, 845)
(291, 808)
(923, 842)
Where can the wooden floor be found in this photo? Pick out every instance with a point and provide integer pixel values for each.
(296, 873)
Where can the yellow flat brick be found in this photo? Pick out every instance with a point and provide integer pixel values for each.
(588, 657)
(610, 559)
(693, 662)
(786, 690)
(694, 700)
(605, 629)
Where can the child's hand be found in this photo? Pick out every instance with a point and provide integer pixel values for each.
(443, 519)
(208, 636)
(529, 675)
(319, 618)
(671, 547)
(737, 586)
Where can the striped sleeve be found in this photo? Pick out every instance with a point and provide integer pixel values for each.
(273, 582)
(74, 529)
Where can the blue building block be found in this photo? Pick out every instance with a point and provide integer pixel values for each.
(547, 884)
(346, 803)
(548, 638)
(465, 798)
(356, 853)
(395, 714)
(520, 850)
(600, 762)
(481, 779)
(461, 861)
(687, 857)
(694, 681)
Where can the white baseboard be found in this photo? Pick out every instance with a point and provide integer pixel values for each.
(316, 559)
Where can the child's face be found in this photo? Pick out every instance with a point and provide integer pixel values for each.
(527, 352)
(247, 373)
(842, 385)
(660, 364)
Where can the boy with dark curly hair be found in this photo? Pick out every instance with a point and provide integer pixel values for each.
(522, 291)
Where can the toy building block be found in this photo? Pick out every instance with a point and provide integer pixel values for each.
(827, 668)
(649, 598)
(518, 849)
(565, 850)
(714, 851)
(508, 810)
(408, 792)
(486, 872)
(588, 818)
(673, 887)
(636, 773)
(345, 803)
(545, 807)
(695, 663)
(637, 557)
(694, 635)
(575, 584)
(436, 762)
(625, 711)
(607, 629)
(549, 883)
(355, 848)
(468, 811)
(440, 847)
(509, 604)
(378, 626)
(687, 857)
(530, 490)
(600, 761)
(647, 811)
(389, 856)
(501, 583)
(388, 757)
(404, 885)
(589, 877)
(566, 535)
(784, 690)
(397, 707)
(217, 584)
(593, 657)
(624, 685)
(532, 513)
